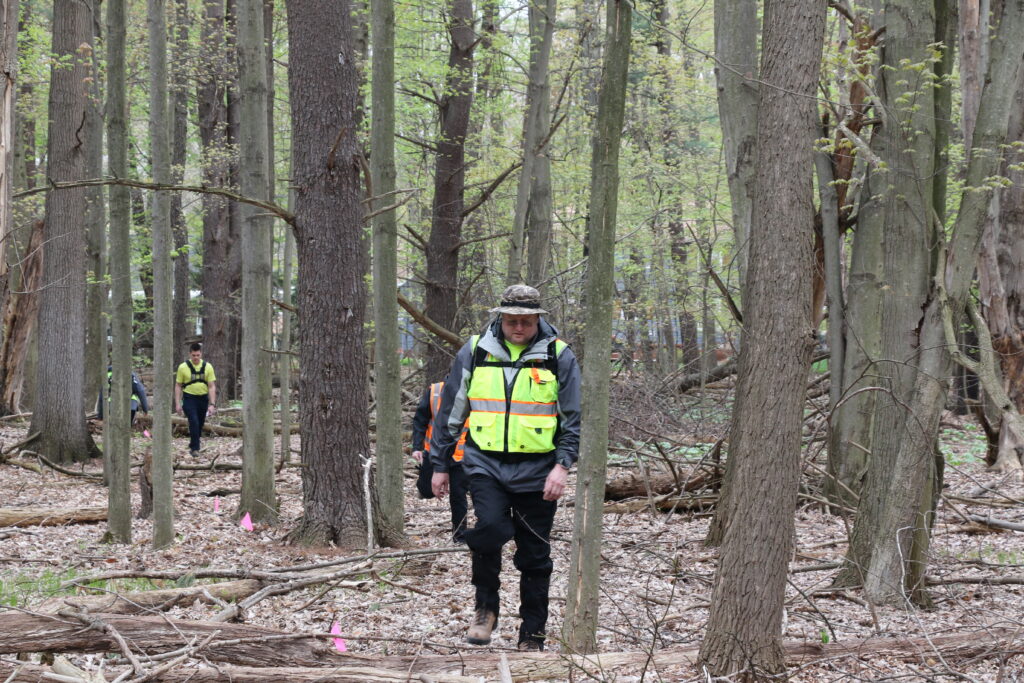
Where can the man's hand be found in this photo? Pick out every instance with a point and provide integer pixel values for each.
(439, 484)
(554, 486)
(211, 410)
(177, 409)
(418, 457)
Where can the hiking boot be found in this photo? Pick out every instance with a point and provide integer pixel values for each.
(530, 645)
(194, 454)
(484, 621)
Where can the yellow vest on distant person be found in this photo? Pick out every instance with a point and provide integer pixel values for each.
(523, 420)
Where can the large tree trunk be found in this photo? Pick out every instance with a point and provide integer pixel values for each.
(745, 627)
(117, 431)
(449, 184)
(580, 628)
(324, 84)
(905, 143)
(221, 242)
(387, 371)
(163, 285)
(897, 568)
(59, 413)
(258, 497)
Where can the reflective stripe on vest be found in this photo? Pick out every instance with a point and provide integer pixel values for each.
(522, 418)
(435, 406)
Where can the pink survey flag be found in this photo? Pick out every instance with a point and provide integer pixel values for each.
(216, 504)
(145, 433)
(339, 643)
(246, 522)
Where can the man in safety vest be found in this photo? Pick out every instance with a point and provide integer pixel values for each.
(422, 430)
(519, 387)
(195, 394)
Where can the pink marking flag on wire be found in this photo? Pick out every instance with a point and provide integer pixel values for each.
(216, 504)
(339, 643)
(246, 522)
(145, 433)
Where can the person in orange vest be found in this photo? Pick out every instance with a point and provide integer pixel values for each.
(422, 430)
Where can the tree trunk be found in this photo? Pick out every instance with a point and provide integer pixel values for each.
(745, 626)
(324, 85)
(258, 497)
(737, 78)
(581, 613)
(449, 183)
(1001, 285)
(541, 19)
(163, 284)
(222, 274)
(179, 141)
(117, 430)
(8, 76)
(20, 317)
(903, 207)
(387, 371)
(59, 415)
(95, 368)
(896, 570)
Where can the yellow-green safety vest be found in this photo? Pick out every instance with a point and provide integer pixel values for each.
(522, 418)
(110, 379)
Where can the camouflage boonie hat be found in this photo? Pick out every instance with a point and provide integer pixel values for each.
(519, 300)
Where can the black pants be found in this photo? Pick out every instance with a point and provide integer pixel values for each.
(458, 485)
(195, 408)
(502, 515)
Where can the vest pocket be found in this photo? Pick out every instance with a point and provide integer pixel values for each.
(546, 390)
(485, 431)
(535, 434)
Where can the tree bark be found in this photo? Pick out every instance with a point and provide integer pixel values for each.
(896, 570)
(179, 141)
(744, 629)
(20, 318)
(95, 368)
(117, 430)
(387, 371)
(541, 19)
(736, 73)
(163, 285)
(222, 264)
(324, 84)
(581, 613)
(59, 416)
(449, 183)
(258, 498)
(900, 203)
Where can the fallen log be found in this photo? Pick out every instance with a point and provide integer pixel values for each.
(180, 426)
(160, 599)
(40, 516)
(695, 379)
(996, 523)
(248, 646)
(245, 674)
(665, 503)
(634, 485)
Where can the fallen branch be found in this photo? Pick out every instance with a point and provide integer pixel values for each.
(695, 379)
(996, 523)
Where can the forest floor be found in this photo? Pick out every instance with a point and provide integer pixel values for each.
(656, 575)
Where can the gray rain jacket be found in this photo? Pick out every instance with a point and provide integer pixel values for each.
(531, 473)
